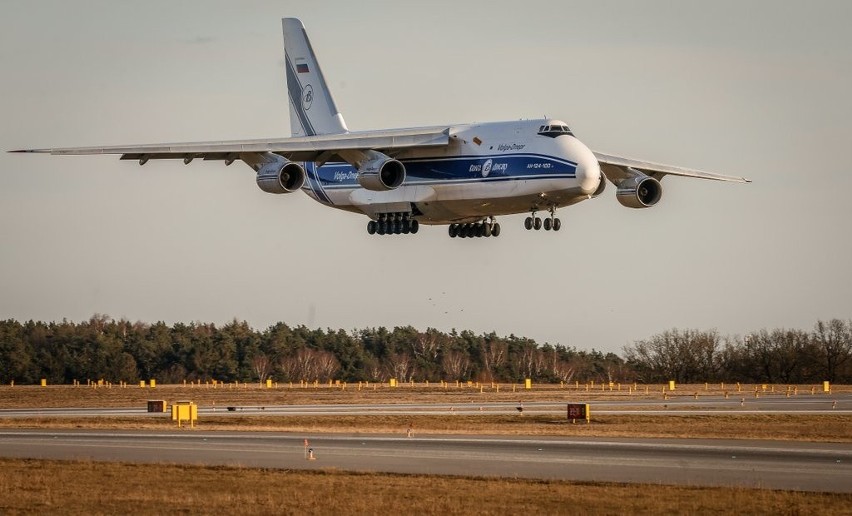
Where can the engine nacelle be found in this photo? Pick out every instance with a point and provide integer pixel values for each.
(639, 191)
(381, 173)
(280, 176)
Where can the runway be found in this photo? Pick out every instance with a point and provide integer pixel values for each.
(840, 403)
(765, 464)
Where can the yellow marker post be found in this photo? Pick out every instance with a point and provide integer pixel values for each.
(826, 387)
(528, 384)
(142, 383)
(269, 383)
(671, 385)
(152, 383)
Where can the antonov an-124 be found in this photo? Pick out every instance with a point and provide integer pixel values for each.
(463, 176)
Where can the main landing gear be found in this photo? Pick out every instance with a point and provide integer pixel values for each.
(533, 222)
(475, 230)
(393, 224)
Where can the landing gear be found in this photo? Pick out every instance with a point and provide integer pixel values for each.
(393, 224)
(533, 222)
(485, 229)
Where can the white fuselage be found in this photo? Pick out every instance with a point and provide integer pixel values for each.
(487, 170)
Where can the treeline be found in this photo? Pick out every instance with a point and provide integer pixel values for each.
(103, 348)
(767, 356)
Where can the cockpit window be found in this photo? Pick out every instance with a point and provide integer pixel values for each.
(553, 131)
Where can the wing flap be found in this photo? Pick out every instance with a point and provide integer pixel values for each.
(298, 149)
(617, 168)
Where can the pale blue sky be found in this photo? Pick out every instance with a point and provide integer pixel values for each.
(758, 89)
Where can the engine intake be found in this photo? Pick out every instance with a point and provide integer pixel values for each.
(381, 173)
(280, 177)
(639, 191)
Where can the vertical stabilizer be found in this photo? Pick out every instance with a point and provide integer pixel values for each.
(312, 109)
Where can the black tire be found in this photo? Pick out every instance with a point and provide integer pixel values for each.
(406, 226)
(371, 227)
(537, 223)
(415, 226)
(487, 230)
(557, 224)
(495, 231)
(547, 224)
(381, 227)
(453, 231)
(528, 223)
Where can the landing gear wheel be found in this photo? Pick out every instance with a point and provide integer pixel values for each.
(548, 224)
(495, 230)
(486, 230)
(371, 227)
(557, 224)
(406, 226)
(480, 230)
(381, 226)
(453, 231)
(528, 223)
(537, 223)
(415, 227)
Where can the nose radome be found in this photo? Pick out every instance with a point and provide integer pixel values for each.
(588, 172)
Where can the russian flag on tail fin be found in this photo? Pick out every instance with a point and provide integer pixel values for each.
(312, 109)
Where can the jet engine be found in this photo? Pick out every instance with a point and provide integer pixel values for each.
(280, 176)
(639, 191)
(381, 173)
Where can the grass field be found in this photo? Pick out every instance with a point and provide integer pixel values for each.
(28, 487)
(828, 427)
(36, 486)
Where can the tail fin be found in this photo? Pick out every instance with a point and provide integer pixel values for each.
(312, 109)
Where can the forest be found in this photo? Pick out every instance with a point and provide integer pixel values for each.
(120, 350)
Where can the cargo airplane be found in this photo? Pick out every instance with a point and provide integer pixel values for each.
(461, 175)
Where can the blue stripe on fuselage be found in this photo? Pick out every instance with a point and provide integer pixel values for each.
(458, 169)
(314, 184)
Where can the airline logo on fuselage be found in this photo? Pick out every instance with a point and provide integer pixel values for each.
(503, 147)
(345, 176)
(488, 167)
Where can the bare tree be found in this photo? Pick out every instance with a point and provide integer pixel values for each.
(564, 371)
(456, 364)
(493, 356)
(261, 366)
(834, 342)
(426, 345)
(400, 366)
(326, 365)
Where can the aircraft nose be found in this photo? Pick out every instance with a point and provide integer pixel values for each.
(588, 172)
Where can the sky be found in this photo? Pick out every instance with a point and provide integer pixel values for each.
(757, 89)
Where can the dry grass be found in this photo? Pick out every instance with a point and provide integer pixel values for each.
(827, 428)
(253, 395)
(30, 486)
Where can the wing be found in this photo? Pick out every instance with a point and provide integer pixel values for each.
(616, 169)
(320, 148)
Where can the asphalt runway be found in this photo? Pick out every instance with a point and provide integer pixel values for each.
(840, 403)
(701, 462)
